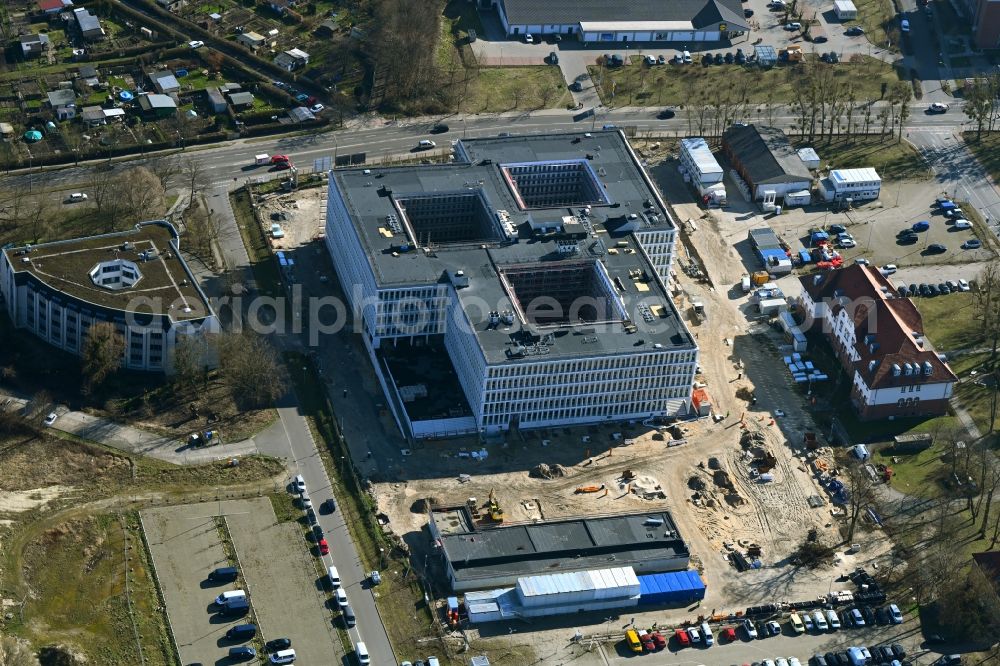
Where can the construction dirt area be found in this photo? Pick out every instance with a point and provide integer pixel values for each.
(301, 216)
(741, 485)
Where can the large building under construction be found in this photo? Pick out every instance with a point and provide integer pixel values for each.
(522, 285)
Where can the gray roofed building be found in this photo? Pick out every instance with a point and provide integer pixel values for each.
(241, 99)
(216, 101)
(93, 116)
(87, 71)
(61, 97)
(301, 114)
(88, 24)
(34, 45)
(159, 105)
(629, 20)
(164, 81)
(765, 159)
(550, 252)
(481, 557)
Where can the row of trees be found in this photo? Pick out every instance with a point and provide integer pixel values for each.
(982, 103)
(824, 103)
(248, 365)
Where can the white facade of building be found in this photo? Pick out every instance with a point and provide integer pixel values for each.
(529, 393)
(699, 162)
(62, 319)
(845, 10)
(857, 184)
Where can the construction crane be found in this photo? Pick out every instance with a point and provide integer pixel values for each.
(496, 513)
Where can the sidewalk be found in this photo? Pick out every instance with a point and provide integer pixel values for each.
(145, 443)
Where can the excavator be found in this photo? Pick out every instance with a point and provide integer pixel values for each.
(496, 513)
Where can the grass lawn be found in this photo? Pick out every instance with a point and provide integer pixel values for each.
(284, 507)
(949, 321)
(892, 159)
(77, 574)
(877, 17)
(639, 85)
(987, 151)
(515, 88)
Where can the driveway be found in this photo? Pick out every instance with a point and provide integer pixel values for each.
(288, 597)
(185, 546)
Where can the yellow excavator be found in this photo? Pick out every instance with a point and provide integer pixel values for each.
(496, 513)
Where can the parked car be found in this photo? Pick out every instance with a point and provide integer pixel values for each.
(324, 547)
(963, 285)
(934, 291)
(922, 225)
(807, 622)
(76, 197)
(796, 622)
(820, 620)
(962, 224)
(317, 108)
(278, 644)
(298, 483)
(554, 58)
(719, 59)
(889, 269)
(529, 38)
(341, 596)
(747, 13)
(847, 242)
(50, 419)
(661, 59)
(868, 614)
(693, 635)
(328, 506)
(955, 214)
(856, 618)
(283, 657)
(750, 629)
(971, 244)
(836, 229)
(196, 44)
(794, 25)
(938, 248)
(944, 288)
(375, 577)
(683, 640)
(773, 628)
(242, 653)
(854, 31)
(728, 634)
(904, 25)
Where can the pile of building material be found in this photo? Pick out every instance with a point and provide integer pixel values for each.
(544, 471)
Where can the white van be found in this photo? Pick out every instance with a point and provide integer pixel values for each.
(361, 650)
(706, 631)
(334, 576)
(226, 597)
(283, 656)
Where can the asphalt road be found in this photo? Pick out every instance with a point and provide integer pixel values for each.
(298, 447)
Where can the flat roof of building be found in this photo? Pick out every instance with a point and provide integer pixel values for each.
(485, 171)
(166, 287)
(861, 175)
(638, 14)
(572, 544)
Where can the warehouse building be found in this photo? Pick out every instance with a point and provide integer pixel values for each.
(526, 280)
(766, 161)
(596, 21)
(854, 184)
(772, 252)
(135, 279)
(481, 557)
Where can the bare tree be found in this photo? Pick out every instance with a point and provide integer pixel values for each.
(103, 349)
(188, 361)
(194, 177)
(987, 306)
(251, 369)
(862, 495)
(141, 195)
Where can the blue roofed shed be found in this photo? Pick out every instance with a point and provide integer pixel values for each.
(676, 587)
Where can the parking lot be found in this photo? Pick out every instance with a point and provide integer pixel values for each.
(280, 570)
(277, 570)
(186, 546)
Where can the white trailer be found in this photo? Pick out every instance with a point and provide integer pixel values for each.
(262, 159)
